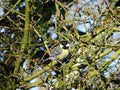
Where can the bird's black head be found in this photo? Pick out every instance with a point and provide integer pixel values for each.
(64, 45)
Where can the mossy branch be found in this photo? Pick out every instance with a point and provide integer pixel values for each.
(48, 67)
(25, 37)
(115, 56)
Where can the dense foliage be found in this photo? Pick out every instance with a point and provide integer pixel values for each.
(29, 28)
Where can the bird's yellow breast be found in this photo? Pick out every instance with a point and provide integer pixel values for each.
(63, 55)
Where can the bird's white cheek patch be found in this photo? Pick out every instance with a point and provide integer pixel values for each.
(61, 46)
(68, 45)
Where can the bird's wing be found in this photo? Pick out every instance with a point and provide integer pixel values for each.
(56, 51)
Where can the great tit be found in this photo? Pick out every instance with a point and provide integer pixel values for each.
(59, 52)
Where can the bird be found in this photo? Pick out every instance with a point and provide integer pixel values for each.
(59, 52)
